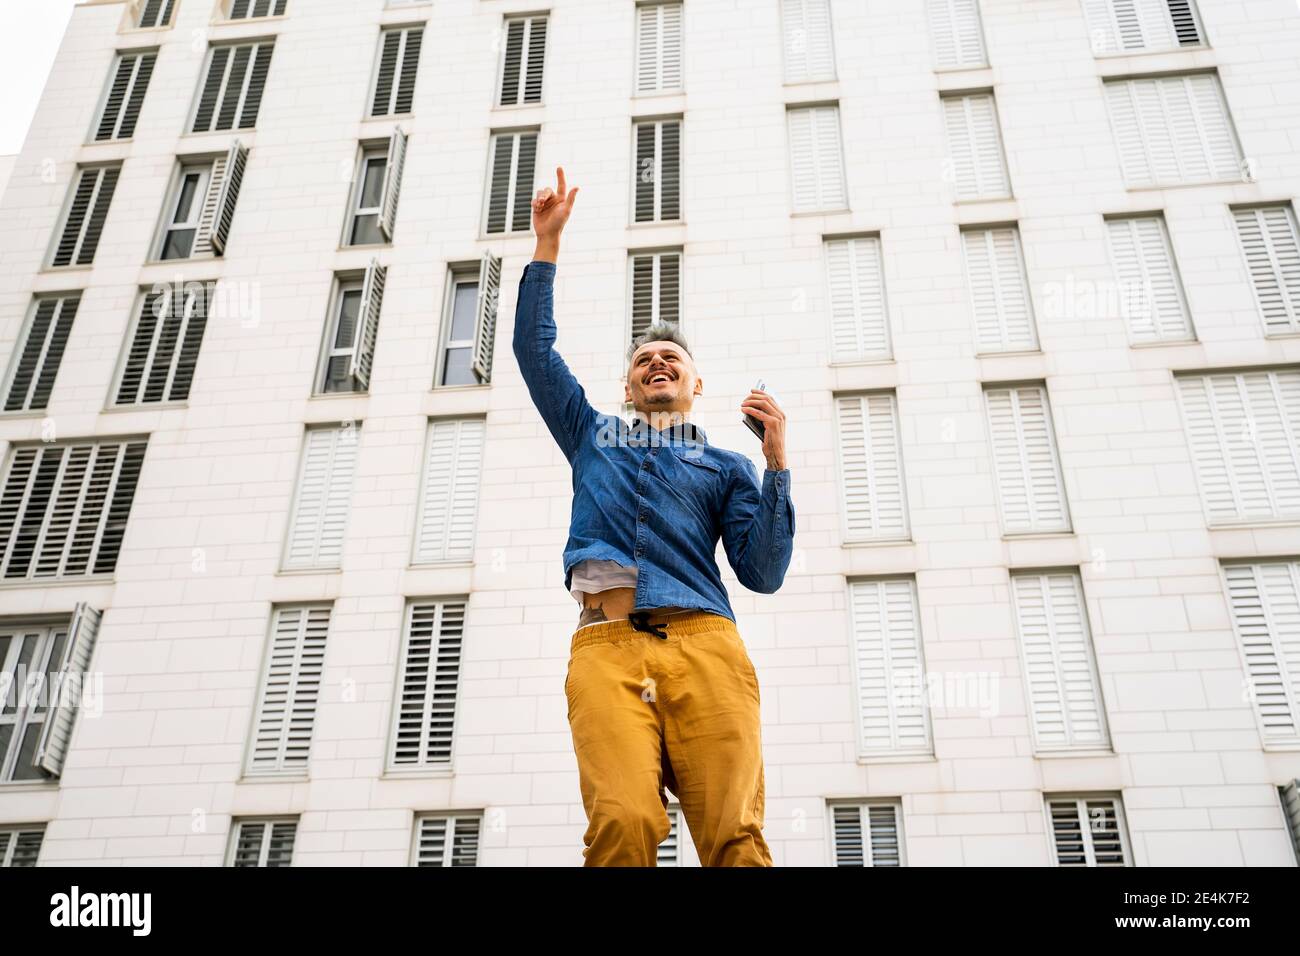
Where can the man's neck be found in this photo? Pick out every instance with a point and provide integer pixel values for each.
(660, 421)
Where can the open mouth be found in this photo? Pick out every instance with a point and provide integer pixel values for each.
(658, 378)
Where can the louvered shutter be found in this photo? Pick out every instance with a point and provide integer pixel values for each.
(1265, 602)
(249, 9)
(426, 707)
(1087, 831)
(999, 291)
(816, 159)
(1135, 26)
(42, 351)
(64, 508)
(1173, 130)
(236, 162)
(1060, 670)
(449, 501)
(867, 834)
(324, 498)
(514, 156)
(86, 215)
(20, 848)
(1031, 492)
(659, 48)
(362, 358)
(522, 61)
(1150, 289)
(232, 91)
(392, 183)
(56, 734)
(889, 667)
(399, 66)
(1244, 434)
(979, 166)
(286, 710)
(125, 95)
(154, 13)
(1272, 250)
(859, 321)
(667, 854)
(448, 841)
(871, 464)
(809, 47)
(264, 843)
(485, 315)
(656, 290)
(956, 33)
(1290, 795)
(164, 351)
(658, 171)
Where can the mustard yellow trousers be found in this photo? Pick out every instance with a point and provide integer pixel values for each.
(678, 712)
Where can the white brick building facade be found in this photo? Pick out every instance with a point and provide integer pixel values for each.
(1004, 480)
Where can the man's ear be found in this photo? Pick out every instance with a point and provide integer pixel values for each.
(699, 386)
(627, 392)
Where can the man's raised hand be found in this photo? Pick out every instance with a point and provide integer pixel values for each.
(551, 208)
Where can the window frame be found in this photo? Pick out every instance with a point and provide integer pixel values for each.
(20, 347)
(511, 193)
(367, 153)
(841, 159)
(343, 283)
(499, 86)
(457, 274)
(391, 768)
(47, 642)
(863, 805)
(1121, 825)
(657, 122)
(183, 167)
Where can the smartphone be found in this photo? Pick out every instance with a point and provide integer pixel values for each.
(752, 423)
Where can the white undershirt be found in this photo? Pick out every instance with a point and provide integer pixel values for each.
(595, 575)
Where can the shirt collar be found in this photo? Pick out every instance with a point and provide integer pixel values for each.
(680, 431)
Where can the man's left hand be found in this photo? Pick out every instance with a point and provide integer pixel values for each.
(763, 407)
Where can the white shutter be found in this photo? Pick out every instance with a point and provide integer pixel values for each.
(32, 378)
(1140, 26)
(522, 58)
(1031, 492)
(657, 176)
(868, 834)
(87, 212)
(362, 357)
(291, 680)
(1290, 795)
(453, 465)
(67, 690)
(1088, 831)
(1065, 705)
(809, 47)
(263, 843)
(510, 185)
(999, 290)
(447, 841)
(396, 72)
(816, 159)
(859, 319)
(320, 510)
(231, 96)
(871, 464)
(165, 342)
(219, 204)
(125, 96)
(1173, 130)
(979, 167)
(1244, 433)
(659, 48)
(148, 14)
(1269, 242)
(425, 712)
(1265, 602)
(889, 667)
(656, 293)
(20, 846)
(485, 315)
(392, 183)
(956, 33)
(1150, 289)
(667, 853)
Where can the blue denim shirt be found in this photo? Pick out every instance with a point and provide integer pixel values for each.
(655, 499)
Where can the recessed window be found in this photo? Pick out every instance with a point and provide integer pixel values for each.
(375, 191)
(352, 331)
(125, 95)
(469, 324)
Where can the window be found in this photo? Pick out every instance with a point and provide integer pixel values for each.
(978, 166)
(348, 355)
(1243, 429)
(1088, 831)
(868, 834)
(1173, 131)
(999, 290)
(1265, 602)
(291, 680)
(20, 846)
(425, 711)
(1060, 670)
(64, 508)
(1031, 492)
(956, 34)
(395, 74)
(657, 190)
(659, 48)
(262, 842)
(1141, 26)
(856, 286)
(164, 344)
(523, 56)
(443, 840)
(889, 668)
(808, 39)
(83, 223)
(249, 9)
(231, 94)
(1290, 795)
(871, 467)
(677, 849)
(453, 463)
(150, 14)
(1272, 250)
(1150, 290)
(816, 159)
(375, 192)
(200, 208)
(42, 671)
(319, 515)
(656, 290)
(31, 378)
(512, 158)
(470, 324)
(125, 95)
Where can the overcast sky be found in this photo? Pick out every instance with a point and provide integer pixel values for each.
(28, 43)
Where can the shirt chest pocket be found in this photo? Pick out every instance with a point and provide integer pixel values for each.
(699, 480)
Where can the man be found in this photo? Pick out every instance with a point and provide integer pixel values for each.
(660, 687)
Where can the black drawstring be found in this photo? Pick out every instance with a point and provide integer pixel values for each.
(641, 622)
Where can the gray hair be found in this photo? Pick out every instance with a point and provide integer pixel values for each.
(659, 332)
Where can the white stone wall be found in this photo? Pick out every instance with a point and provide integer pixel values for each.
(157, 778)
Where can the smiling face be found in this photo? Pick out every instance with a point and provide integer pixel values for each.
(662, 378)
